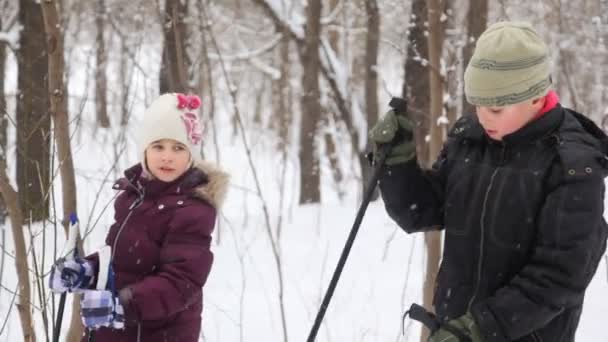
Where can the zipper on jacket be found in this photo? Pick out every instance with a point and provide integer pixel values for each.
(133, 205)
(483, 227)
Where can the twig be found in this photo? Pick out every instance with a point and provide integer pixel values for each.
(273, 242)
(8, 314)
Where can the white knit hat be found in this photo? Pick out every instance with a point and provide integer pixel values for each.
(171, 116)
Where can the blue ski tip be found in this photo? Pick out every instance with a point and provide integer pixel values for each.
(73, 218)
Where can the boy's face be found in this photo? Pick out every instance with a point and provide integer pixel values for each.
(167, 159)
(501, 121)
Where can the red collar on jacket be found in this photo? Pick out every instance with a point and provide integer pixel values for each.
(551, 100)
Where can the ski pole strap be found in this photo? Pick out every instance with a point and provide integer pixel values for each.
(429, 320)
(419, 313)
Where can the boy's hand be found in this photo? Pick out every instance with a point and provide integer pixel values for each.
(397, 128)
(465, 324)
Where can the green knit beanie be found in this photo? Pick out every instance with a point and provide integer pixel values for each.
(510, 65)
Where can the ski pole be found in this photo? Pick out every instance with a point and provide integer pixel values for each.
(72, 252)
(400, 107)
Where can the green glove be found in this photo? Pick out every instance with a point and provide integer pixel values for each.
(386, 129)
(465, 324)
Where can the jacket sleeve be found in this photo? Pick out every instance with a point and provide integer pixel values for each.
(414, 197)
(570, 241)
(185, 262)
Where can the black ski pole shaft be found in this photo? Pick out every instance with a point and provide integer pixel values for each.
(400, 107)
(59, 319)
(369, 191)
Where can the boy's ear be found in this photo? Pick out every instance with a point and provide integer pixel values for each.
(540, 102)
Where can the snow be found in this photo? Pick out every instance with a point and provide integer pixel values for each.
(11, 38)
(382, 277)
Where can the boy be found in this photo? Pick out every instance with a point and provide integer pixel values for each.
(519, 190)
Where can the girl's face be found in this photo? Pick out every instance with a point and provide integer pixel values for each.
(501, 121)
(167, 159)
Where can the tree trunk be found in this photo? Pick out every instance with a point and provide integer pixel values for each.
(283, 93)
(310, 107)
(174, 67)
(125, 82)
(101, 97)
(3, 122)
(416, 85)
(33, 122)
(453, 65)
(477, 21)
(433, 239)
(371, 81)
(21, 260)
(59, 113)
(329, 138)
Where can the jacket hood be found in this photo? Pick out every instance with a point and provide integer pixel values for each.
(203, 180)
(214, 191)
(594, 131)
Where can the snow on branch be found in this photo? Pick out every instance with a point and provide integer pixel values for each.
(249, 54)
(295, 26)
(10, 38)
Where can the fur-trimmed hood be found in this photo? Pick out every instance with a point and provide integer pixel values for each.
(215, 189)
(204, 180)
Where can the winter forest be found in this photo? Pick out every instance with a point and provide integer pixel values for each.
(289, 89)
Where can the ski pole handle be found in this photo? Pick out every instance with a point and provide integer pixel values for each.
(71, 250)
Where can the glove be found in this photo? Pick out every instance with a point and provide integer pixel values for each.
(465, 324)
(392, 126)
(100, 308)
(73, 275)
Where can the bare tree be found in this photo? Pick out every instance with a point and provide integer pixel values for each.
(3, 119)
(310, 106)
(33, 121)
(175, 64)
(59, 113)
(101, 97)
(329, 138)
(477, 21)
(416, 85)
(21, 260)
(283, 93)
(372, 42)
(436, 133)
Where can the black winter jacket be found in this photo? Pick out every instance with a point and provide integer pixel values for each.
(523, 220)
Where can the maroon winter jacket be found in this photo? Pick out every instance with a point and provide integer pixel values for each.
(161, 258)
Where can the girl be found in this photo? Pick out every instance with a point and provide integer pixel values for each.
(160, 256)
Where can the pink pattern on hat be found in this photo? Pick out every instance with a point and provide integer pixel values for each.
(193, 127)
(188, 101)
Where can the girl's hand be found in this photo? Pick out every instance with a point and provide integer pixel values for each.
(73, 275)
(100, 308)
